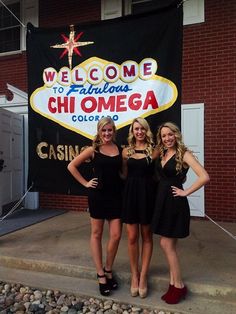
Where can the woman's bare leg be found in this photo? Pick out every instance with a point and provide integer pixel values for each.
(96, 245)
(115, 228)
(147, 247)
(169, 246)
(133, 250)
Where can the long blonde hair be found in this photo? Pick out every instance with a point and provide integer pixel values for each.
(148, 139)
(97, 141)
(179, 145)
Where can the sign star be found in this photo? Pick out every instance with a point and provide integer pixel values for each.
(71, 45)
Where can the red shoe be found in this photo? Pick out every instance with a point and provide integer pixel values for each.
(169, 291)
(176, 295)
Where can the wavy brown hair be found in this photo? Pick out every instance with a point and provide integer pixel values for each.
(148, 138)
(97, 141)
(179, 145)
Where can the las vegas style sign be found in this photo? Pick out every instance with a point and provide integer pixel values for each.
(77, 98)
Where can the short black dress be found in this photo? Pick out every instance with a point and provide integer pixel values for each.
(105, 202)
(172, 214)
(139, 191)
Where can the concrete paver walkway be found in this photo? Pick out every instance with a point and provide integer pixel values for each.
(56, 254)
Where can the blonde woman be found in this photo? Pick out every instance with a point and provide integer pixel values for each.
(139, 193)
(171, 217)
(104, 198)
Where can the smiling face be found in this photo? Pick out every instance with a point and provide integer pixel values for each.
(139, 132)
(168, 137)
(107, 133)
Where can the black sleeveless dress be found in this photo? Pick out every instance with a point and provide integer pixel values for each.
(105, 202)
(172, 214)
(139, 191)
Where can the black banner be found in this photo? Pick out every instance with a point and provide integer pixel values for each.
(123, 68)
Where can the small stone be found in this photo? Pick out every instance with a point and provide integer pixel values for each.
(33, 307)
(47, 308)
(78, 306)
(61, 299)
(64, 309)
(115, 307)
(108, 302)
(2, 299)
(9, 301)
(38, 295)
(49, 293)
(27, 305)
(7, 287)
(22, 290)
(57, 293)
(32, 298)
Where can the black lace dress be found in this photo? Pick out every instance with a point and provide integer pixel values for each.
(172, 214)
(105, 202)
(139, 191)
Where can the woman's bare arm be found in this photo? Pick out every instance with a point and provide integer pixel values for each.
(76, 162)
(202, 176)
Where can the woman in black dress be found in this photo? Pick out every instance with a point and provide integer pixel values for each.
(104, 198)
(171, 217)
(139, 193)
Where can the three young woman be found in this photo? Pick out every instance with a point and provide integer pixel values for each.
(146, 209)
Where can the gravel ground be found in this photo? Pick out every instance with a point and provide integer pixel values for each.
(19, 299)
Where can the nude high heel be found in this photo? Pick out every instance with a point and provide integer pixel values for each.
(134, 291)
(143, 292)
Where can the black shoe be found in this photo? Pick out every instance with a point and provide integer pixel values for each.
(103, 287)
(112, 283)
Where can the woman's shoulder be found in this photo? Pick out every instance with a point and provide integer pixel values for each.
(86, 154)
(188, 154)
(125, 149)
(189, 158)
(89, 150)
(125, 152)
